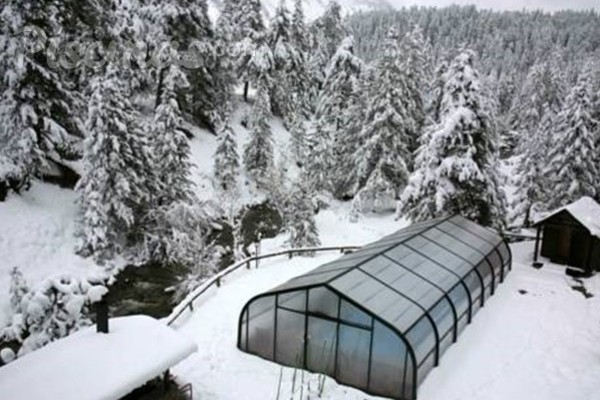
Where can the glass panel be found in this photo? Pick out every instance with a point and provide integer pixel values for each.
(504, 251)
(466, 236)
(453, 245)
(422, 338)
(473, 284)
(445, 342)
(460, 298)
(293, 300)
(423, 267)
(387, 362)
(440, 255)
(425, 368)
(443, 316)
(485, 270)
(378, 299)
(323, 301)
(321, 345)
(352, 314)
(484, 233)
(476, 306)
(462, 322)
(290, 338)
(308, 280)
(403, 281)
(497, 264)
(353, 356)
(261, 327)
(243, 336)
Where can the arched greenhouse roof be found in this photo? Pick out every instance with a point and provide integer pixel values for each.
(421, 285)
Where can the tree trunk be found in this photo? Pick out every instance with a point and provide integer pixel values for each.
(246, 86)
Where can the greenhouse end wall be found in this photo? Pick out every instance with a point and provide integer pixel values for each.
(380, 319)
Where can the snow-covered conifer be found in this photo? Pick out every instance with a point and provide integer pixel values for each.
(227, 163)
(331, 118)
(300, 216)
(18, 290)
(258, 153)
(388, 128)
(115, 189)
(171, 150)
(572, 170)
(457, 165)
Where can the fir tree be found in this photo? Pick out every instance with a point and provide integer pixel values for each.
(326, 36)
(331, 136)
(457, 161)
(388, 130)
(301, 223)
(226, 157)
(18, 291)
(114, 189)
(39, 117)
(258, 153)
(572, 170)
(186, 23)
(171, 148)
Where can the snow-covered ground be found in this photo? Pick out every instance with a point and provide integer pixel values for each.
(37, 234)
(536, 338)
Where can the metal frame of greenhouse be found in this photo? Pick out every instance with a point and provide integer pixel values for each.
(379, 319)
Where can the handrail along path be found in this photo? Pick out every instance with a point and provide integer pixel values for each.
(188, 302)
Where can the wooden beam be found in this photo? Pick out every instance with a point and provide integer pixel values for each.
(537, 243)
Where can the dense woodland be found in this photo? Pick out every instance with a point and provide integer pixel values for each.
(422, 111)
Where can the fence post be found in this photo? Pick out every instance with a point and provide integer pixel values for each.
(248, 264)
(218, 282)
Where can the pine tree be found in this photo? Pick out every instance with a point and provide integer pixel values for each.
(186, 23)
(457, 161)
(331, 138)
(251, 43)
(171, 148)
(114, 190)
(39, 117)
(417, 67)
(531, 180)
(572, 170)
(227, 162)
(327, 34)
(301, 222)
(388, 129)
(258, 153)
(18, 291)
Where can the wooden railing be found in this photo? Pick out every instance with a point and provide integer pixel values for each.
(188, 302)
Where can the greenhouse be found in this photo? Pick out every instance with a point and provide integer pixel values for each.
(379, 319)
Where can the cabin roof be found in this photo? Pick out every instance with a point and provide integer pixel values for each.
(585, 210)
(92, 366)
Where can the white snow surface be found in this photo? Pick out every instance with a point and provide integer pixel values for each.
(37, 234)
(535, 338)
(94, 366)
(585, 210)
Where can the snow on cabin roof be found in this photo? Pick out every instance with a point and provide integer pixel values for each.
(585, 210)
(92, 366)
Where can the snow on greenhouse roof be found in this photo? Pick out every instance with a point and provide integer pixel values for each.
(585, 210)
(411, 269)
(92, 366)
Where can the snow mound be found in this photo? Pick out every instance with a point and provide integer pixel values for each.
(95, 366)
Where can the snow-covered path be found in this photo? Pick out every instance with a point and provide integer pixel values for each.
(536, 338)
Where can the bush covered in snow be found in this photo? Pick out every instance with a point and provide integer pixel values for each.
(52, 310)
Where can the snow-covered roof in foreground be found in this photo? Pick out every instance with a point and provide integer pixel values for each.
(585, 210)
(92, 366)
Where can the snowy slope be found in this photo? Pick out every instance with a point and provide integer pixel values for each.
(536, 337)
(37, 234)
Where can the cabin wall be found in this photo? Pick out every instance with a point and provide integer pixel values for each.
(566, 241)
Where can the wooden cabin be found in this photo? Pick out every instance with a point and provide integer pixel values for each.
(570, 235)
